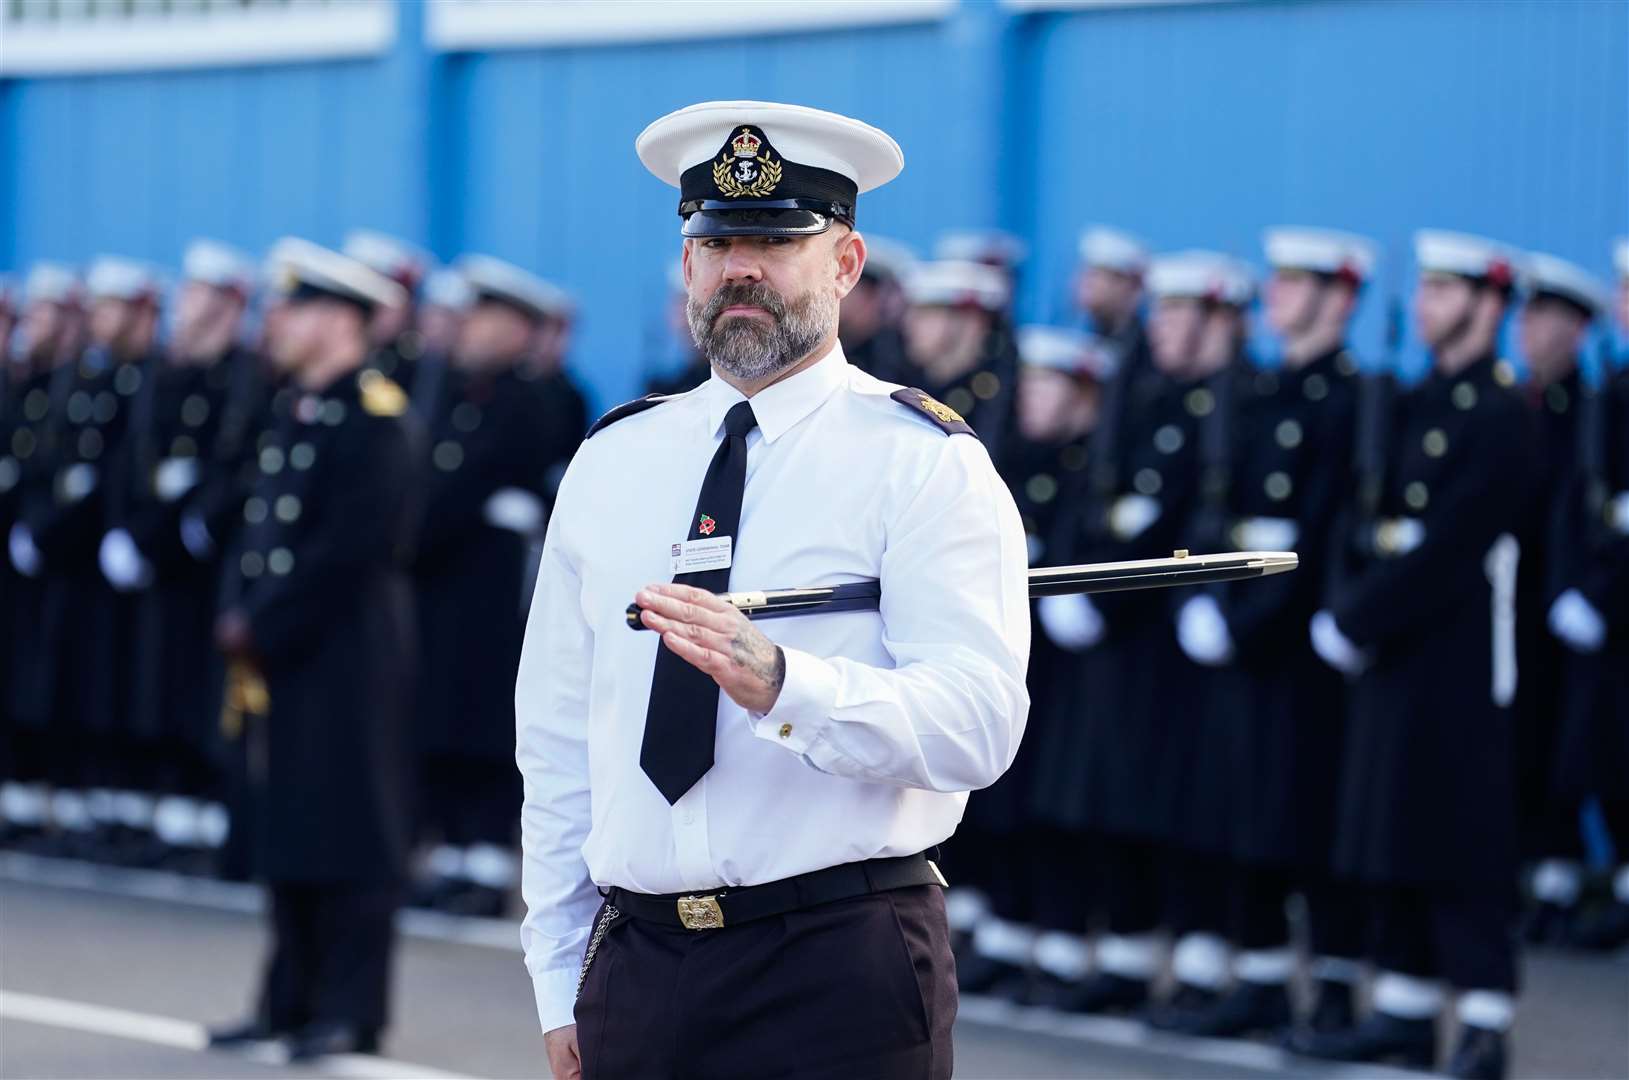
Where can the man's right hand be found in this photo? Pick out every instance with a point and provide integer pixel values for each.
(564, 1060)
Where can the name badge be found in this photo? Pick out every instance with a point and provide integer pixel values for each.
(699, 556)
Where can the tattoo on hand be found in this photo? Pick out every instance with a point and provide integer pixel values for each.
(755, 652)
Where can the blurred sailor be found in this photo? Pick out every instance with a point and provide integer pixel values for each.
(1267, 753)
(869, 322)
(1421, 617)
(1587, 617)
(398, 345)
(492, 442)
(318, 628)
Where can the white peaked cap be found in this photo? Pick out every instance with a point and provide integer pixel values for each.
(214, 263)
(387, 255)
(991, 246)
(888, 259)
(293, 262)
(1201, 275)
(1073, 352)
(956, 283)
(1441, 252)
(1321, 251)
(1549, 275)
(114, 277)
(812, 137)
(447, 288)
(50, 282)
(493, 278)
(1106, 248)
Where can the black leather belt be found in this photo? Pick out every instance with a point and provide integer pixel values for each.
(731, 907)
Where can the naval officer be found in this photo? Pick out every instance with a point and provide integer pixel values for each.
(758, 803)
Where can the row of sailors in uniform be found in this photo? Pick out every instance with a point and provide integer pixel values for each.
(480, 352)
(1195, 755)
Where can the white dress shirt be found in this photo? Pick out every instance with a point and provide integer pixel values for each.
(886, 719)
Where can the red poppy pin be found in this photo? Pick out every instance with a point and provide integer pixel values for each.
(707, 525)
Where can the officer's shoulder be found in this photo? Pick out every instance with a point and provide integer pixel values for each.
(632, 408)
(909, 406)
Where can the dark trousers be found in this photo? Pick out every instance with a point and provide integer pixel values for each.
(1058, 878)
(1464, 937)
(1256, 894)
(1126, 885)
(330, 958)
(1336, 917)
(858, 988)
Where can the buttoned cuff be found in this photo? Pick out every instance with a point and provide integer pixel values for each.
(804, 708)
(556, 993)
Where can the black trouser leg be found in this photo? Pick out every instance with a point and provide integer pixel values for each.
(290, 975)
(1126, 886)
(1058, 873)
(1337, 917)
(355, 935)
(1256, 896)
(1464, 937)
(1195, 892)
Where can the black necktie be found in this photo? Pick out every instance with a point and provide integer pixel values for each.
(678, 746)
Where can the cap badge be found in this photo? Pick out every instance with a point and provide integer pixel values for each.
(706, 525)
(747, 170)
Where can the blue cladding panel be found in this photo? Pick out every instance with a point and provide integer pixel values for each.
(1195, 125)
(1199, 125)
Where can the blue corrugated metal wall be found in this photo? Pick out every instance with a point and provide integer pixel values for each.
(1191, 124)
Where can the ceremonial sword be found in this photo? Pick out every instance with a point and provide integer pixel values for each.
(866, 595)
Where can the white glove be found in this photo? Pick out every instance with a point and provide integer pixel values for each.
(123, 564)
(195, 537)
(1575, 621)
(1071, 621)
(515, 509)
(1336, 649)
(1202, 632)
(24, 555)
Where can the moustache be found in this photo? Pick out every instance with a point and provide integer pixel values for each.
(755, 295)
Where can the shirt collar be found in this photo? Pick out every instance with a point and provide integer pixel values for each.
(781, 406)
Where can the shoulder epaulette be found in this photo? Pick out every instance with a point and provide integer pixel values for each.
(947, 419)
(626, 409)
(381, 395)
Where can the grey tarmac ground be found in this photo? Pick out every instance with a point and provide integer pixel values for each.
(113, 974)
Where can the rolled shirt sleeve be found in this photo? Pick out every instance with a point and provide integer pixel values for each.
(955, 612)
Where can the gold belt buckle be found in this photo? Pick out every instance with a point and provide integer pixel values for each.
(700, 913)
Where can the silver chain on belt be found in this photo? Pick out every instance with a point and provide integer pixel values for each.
(607, 917)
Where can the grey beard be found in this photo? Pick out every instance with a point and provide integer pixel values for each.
(747, 349)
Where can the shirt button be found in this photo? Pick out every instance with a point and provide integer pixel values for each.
(786, 731)
(688, 817)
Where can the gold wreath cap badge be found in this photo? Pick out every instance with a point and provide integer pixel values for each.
(743, 172)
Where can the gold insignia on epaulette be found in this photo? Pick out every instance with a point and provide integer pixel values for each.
(939, 409)
(381, 396)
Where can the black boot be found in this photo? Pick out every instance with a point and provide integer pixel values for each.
(1248, 1007)
(1603, 929)
(1332, 1008)
(979, 974)
(1546, 923)
(1411, 1043)
(1103, 991)
(324, 1038)
(239, 1035)
(1179, 1010)
(1480, 1054)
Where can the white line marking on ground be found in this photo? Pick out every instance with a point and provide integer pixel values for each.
(186, 1035)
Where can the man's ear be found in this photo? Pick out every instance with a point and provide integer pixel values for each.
(850, 253)
(684, 263)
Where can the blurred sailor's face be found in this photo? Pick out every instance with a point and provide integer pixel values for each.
(757, 305)
(1443, 306)
(206, 320)
(1174, 333)
(1108, 296)
(944, 340)
(1054, 405)
(1552, 331)
(494, 335)
(1292, 301)
(123, 327)
(305, 332)
(389, 323)
(43, 326)
(440, 327)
